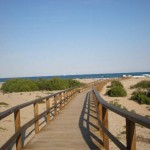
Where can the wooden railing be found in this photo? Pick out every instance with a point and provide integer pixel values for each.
(102, 108)
(60, 100)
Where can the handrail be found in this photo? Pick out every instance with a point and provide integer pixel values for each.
(102, 108)
(131, 116)
(11, 110)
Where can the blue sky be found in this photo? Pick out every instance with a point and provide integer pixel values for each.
(56, 37)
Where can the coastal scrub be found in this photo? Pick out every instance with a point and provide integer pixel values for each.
(26, 85)
(116, 89)
(142, 94)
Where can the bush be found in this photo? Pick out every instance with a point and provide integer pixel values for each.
(58, 84)
(42, 84)
(116, 83)
(73, 83)
(141, 97)
(142, 84)
(117, 91)
(24, 85)
(19, 85)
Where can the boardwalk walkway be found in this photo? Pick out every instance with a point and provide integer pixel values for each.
(75, 128)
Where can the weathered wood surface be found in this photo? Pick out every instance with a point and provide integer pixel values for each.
(75, 128)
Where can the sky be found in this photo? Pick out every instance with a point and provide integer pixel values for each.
(63, 37)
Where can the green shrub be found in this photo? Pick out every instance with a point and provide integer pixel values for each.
(141, 97)
(142, 84)
(25, 85)
(117, 91)
(43, 84)
(115, 104)
(58, 84)
(19, 85)
(116, 83)
(73, 83)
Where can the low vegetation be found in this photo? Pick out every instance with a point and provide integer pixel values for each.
(3, 104)
(116, 89)
(116, 104)
(116, 83)
(142, 94)
(141, 97)
(26, 85)
(143, 84)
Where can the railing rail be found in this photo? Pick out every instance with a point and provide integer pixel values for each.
(102, 108)
(13, 109)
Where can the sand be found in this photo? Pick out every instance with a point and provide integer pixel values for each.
(117, 123)
(88, 80)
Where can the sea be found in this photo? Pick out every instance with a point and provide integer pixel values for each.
(86, 76)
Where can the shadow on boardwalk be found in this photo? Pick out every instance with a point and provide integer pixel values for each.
(88, 124)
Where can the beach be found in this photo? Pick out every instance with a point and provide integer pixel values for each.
(116, 123)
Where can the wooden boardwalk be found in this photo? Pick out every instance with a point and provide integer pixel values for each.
(75, 128)
(77, 125)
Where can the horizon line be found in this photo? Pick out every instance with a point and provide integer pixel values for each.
(73, 74)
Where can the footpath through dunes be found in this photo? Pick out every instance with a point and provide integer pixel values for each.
(75, 128)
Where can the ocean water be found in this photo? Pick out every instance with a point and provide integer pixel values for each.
(100, 76)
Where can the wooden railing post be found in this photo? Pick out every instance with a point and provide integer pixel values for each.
(35, 116)
(71, 94)
(47, 108)
(67, 98)
(64, 99)
(130, 135)
(17, 126)
(74, 92)
(100, 116)
(61, 98)
(95, 100)
(105, 123)
(55, 104)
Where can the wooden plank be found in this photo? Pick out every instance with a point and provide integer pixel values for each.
(130, 135)
(17, 127)
(35, 116)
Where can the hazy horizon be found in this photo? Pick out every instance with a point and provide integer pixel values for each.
(57, 37)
